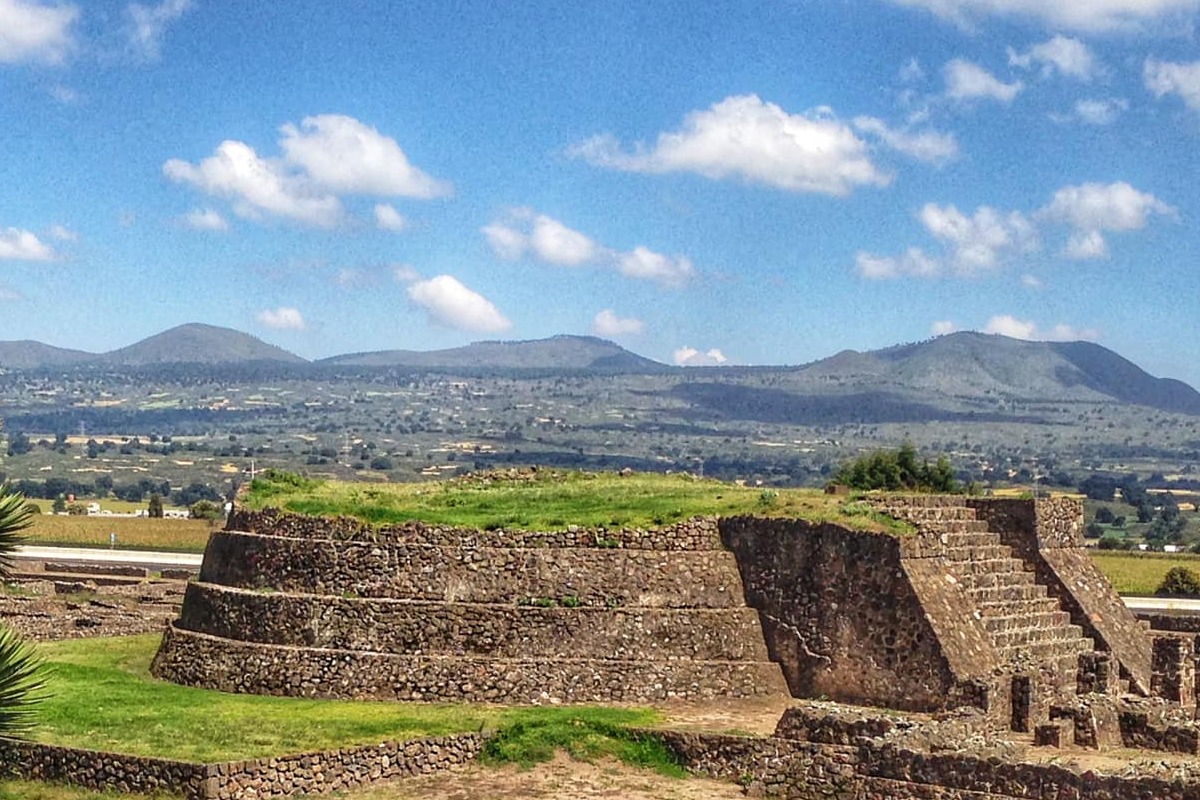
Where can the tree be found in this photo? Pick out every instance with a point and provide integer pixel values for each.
(205, 509)
(155, 509)
(21, 684)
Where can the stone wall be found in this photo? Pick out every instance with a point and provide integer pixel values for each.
(605, 577)
(197, 659)
(840, 614)
(305, 773)
(697, 533)
(509, 631)
(799, 770)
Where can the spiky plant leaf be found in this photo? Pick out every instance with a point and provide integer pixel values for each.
(22, 684)
(15, 516)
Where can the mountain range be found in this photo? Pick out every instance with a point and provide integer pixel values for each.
(959, 366)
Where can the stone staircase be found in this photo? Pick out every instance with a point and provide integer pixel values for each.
(1029, 630)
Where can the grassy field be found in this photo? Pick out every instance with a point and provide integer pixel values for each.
(133, 533)
(101, 696)
(1140, 573)
(552, 500)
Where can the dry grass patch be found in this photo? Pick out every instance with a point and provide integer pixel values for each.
(133, 533)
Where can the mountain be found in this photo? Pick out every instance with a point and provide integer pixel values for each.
(28, 354)
(558, 352)
(195, 343)
(970, 365)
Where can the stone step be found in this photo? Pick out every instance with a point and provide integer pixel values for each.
(1015, 607)
(982, 579)
(1022, 638)
(977, 538)
(987, 566)
(1026, 620)
(982, 552)
(932, 507)
(989, 596)
(1065, 652)
(953, 527)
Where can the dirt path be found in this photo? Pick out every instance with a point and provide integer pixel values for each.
(560, 779)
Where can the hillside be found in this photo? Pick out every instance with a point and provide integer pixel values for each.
(970, 365)
(557, 352)
(28, 354)
(198, 344)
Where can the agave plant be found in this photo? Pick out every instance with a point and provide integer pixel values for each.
(21, 683)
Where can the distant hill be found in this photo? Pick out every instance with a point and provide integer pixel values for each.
(558, 352)
(28, 354)
(195, 343)
(971, 365)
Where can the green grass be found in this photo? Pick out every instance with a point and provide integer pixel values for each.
(29, 790)
(552, 500)
(601, 733)
(1140, 573)
(101, 696)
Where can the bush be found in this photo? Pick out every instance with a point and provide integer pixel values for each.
(1179, 582)
(1112, 541)
(898, 471)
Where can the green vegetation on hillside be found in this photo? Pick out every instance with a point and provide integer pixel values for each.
(541, 499)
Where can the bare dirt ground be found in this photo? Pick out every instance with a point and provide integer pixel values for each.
(560, 779)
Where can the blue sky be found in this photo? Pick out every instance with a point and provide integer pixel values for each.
(753, 183)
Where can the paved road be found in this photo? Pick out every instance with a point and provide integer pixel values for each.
(98, 556)
(1162, 604)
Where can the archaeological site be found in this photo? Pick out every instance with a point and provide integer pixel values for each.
(981, 656)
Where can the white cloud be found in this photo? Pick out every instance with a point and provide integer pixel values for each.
(9, 294)
(506, 241)
(547, 239)
(1092, 208)
(523, 231)
(21, 245)
(911, 71)
(607, 323)
(33, 31)
(745, 138)
(1031, 282)
(978, 242)
(256, 185)
(1007, 325)
(283, 318)
(148, 25)
(406, 273)
(63, 94)
(1070, 57)
(914, 263)
(1163, 78)
(389, 219)
(691, 357)
(1078, 15)
(930, 147)
(205, 219)
(1100, 112)
(967, 81)
(451, 304)
(649, 265)
(345, 156)
(942, 328)
(63, 233)
(326, 156)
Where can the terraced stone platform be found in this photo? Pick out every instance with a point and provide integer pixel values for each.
(330, 608)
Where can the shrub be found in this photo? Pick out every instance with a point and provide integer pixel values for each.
(1179, 582)
(898, 470)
